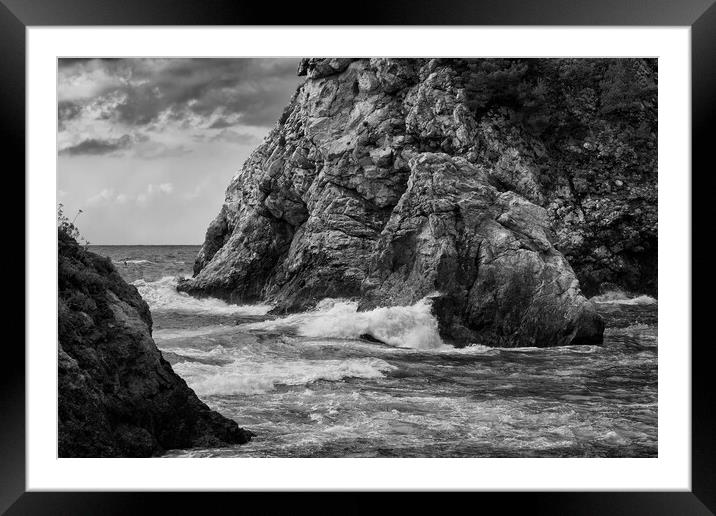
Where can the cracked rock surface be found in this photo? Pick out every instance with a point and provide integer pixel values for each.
(474, 181)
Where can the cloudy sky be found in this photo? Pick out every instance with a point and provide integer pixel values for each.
(147, 146)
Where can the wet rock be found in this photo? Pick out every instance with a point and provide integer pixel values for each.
(488, 255)
(370, 338)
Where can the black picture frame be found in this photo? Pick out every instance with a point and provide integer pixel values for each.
(700, 15)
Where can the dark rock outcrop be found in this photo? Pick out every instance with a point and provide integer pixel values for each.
(118, 397)
(477, 179)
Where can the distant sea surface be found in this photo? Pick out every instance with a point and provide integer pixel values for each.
(308, 386)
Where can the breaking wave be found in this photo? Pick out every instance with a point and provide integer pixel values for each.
(401, 326)
(251, 377)
(167, 334)
(162, 295)
(133, 262)
(620, 298)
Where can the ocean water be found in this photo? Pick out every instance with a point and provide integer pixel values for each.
(308, 386)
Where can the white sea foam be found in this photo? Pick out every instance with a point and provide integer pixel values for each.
(162, 295)
(402, 326)
(168, 334)
(620, 298)
(216, 351)
(472, 349)
(134, 262)
(252, 377)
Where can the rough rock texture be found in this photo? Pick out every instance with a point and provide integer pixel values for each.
(392, 179)
(488, 254)
(117, 396)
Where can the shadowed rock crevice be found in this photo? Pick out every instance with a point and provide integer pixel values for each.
(478, 181)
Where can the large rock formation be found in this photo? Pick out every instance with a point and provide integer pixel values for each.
(117, 396)
(471, 179)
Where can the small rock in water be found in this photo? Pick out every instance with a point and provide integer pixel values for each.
(370, 338)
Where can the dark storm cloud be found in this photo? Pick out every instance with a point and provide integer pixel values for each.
(139, 91)
(64, 62)
(96, 147)
(67, 110)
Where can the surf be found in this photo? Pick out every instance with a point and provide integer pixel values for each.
(621, 298)
(162, 296)
(243, 376)
(412, 326)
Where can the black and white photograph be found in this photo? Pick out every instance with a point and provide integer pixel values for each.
(366, 257)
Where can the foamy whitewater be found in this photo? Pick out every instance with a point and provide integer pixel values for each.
(311, 385)
(403, 326)
(162, 295)
(621, 298)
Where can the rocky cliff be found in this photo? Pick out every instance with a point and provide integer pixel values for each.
(117, 396)
(476, 181)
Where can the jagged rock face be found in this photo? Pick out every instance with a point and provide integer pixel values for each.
(489, 256)
(117, 396)
(392, 179)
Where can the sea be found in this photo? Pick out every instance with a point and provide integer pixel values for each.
(308, 386)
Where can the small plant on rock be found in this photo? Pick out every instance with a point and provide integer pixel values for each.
(68, 227)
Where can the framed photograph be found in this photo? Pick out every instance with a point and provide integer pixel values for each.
(424, 251)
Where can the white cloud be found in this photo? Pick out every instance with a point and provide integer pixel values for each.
(108, 196)
(195, 192)
(155, 191)
(85, 82)
(166, 188)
